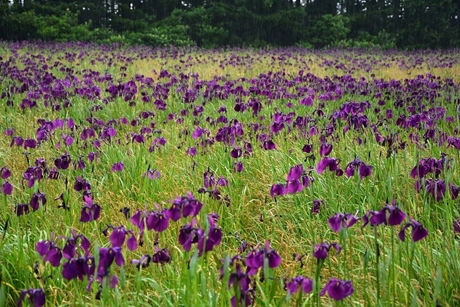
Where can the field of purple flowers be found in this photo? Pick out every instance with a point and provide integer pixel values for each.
(133, 176)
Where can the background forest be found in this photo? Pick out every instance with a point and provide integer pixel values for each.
(405, 24)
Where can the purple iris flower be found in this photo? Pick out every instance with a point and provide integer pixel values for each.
(143, 262)
(185, 206)
(363, 169)
(79, 268)
(118, 236)
(208, 179)
(138, 219)
(295, 172)
(7, 188)
(325, 149)
(255, 259)
(90, 210)
(32, 174)
(456, 225)
(70, 247)
(418, 231)
(454, 190)
(332, 163)
(307, 148)
(35, 296)
(118, 167)
(238, 167)
(305, 284)
(322, 250)
(269, 145)
(152, 174)
(158, 221)
(5, 172)
(394, 217)
(375, 218)
(317, 204)
(189, 234)
(30, 143)
(277, 190)
(293, 186)
(236, 152)
(22, 209)
(241, 282)
(430, 165)
(436, 187)
(81, 184)
(37, 199)
(161, 256)
(50, 252)
(191, 151)
(338, 289)
(342, 220)
(63, 161)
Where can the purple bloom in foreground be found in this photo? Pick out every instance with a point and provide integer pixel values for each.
(50, 252)
(295, 172)
(79, 268)
(322, 250)
(454, 190)
(36, 297)
(395, 216)
(375, 218)
(161, 255)
(241, 282)
(325, 149)
(22, 209)
(317, 206)
(418, 231)
(277, 190)
(152, 174)
(5, 172)
(158, 221)
(338, 289)
(90, 211)
(332, 163)
(37, 199)
(118, 167)
(7, 188)
(238, 167)
(363, 169)
(255, 259)
(305, 284)
(342, 220)
(63, 161)
(436, 187)
(269, 145)
(143, 262)
(457, 225)
(191, 151)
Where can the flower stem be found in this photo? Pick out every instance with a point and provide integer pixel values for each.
(318, 270)
(377, 254)
(299, 298)
(392, 267)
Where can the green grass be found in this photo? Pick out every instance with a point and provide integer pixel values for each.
(398, 274)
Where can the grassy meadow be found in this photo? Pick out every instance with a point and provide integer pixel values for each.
(133, 176)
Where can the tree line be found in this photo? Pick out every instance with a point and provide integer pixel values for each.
(404, 24)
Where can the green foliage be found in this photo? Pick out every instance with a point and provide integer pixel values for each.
(198, 26)
(329, 30)
(413, 24)
(161, 36)
(62, 28)
(367, 41)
